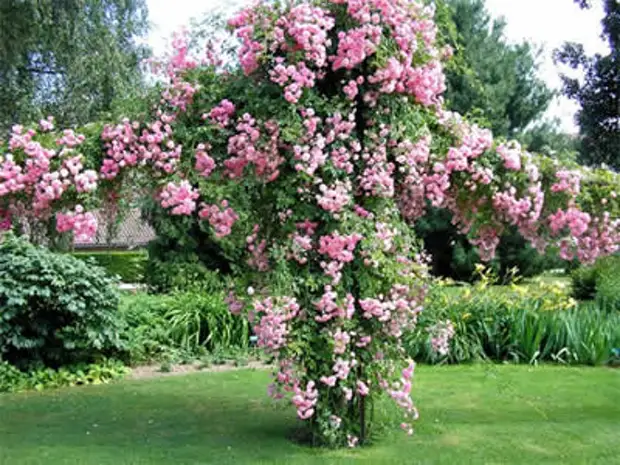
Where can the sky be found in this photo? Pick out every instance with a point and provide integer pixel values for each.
(546, 23)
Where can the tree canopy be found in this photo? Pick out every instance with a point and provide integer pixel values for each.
(598, 94)
(68, 58)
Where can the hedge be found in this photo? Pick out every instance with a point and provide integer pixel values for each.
(129, 265)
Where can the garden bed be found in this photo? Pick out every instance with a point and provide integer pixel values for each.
(155, 371)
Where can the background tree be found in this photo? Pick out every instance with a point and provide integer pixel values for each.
(73, 59)
(546, 138)
(599, 92)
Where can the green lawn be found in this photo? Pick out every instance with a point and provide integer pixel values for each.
(469, 415)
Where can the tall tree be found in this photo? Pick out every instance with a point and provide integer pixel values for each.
(69, 58)
(599, 92)
(491, 76)
(546, 138)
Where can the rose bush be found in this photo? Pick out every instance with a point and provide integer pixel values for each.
(307, 163)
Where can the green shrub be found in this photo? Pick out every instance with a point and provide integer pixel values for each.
(600, 281)
(56, 310)
(146, 333)
(453, 256)
(584, 282)
(608, 282)
(179, 276)
(76, 375)
(128, 265)
(14, 380)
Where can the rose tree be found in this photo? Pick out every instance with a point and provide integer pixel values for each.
(308, 162)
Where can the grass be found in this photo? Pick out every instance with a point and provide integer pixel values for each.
(480, 414)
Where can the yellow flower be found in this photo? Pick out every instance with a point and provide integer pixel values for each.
(466, 316)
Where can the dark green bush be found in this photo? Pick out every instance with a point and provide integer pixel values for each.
(56, 310)
(600, 281)
(584, 282)
(608, 282)
(453, 256)
(128, 265)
